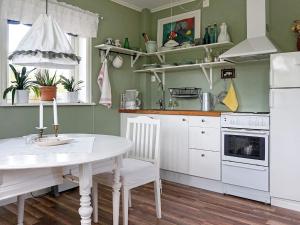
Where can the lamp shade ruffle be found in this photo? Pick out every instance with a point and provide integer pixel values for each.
(45, 46)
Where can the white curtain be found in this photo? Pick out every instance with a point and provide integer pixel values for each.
(70, 18)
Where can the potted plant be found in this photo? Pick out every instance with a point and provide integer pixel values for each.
(20, 86)
(72, 88)
(46, 84)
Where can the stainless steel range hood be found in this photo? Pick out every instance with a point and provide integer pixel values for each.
(257, 46)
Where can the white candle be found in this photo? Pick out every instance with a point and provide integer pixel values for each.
(55, 112)
(41, 115)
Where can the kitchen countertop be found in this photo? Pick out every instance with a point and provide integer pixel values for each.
(172, 112)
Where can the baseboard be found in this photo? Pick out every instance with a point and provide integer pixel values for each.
(284, 203)
(198, 182)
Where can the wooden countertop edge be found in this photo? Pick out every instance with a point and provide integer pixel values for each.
(172, 112)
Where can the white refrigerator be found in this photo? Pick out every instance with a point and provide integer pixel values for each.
(285, 130)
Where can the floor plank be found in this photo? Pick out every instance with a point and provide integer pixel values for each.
(181, 205)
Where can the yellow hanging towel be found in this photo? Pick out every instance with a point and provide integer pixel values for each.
(231, 100)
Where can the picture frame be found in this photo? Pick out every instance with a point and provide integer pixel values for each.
(187, 27)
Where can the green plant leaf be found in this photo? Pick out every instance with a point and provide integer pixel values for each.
(13, 95)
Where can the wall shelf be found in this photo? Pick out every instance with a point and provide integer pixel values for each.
(135, 55)
(192, 48)
(107, 49)
(207, 68)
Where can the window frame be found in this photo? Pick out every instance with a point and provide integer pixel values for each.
(4, 64)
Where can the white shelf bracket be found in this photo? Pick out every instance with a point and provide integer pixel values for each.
(104, 54)
(209, 77)
(161, 80)
(134, 59)
(157, 77)
(161, 58)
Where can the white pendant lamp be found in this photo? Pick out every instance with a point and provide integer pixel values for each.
(45, 46)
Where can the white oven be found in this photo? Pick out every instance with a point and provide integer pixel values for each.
(245, 155)
(246, 146)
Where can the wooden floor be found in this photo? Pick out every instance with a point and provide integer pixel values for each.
(181, 205)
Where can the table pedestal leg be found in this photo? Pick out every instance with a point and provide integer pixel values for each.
(85, 185)
(116, 191)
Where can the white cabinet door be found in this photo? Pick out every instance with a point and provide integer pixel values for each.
(174, 143)
(204, 138)
(205, 164)
(285, 70)
(284, 144)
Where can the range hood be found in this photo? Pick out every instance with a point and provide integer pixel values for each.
(257, 46)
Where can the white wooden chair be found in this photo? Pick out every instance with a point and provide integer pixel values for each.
(140, 166)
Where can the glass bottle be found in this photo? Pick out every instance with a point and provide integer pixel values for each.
(126, 43)
(215, 33)
(211, 34)
(206, 39)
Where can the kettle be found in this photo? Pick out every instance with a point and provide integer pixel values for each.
(207, 101)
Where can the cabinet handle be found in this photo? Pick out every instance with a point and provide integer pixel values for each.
(202, 132)
(184, 120)
(202, 155)
(203, 121)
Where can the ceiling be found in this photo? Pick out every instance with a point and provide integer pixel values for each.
(154, 5)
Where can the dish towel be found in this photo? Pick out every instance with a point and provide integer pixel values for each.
(104, 85)
(231, 100)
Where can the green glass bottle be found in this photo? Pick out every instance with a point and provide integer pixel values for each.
(126, 43)
(206, 39)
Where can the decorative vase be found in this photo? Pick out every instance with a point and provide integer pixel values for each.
(72, 97)
(22, 96)
(298, 42)
(48, 93)
(223, 36)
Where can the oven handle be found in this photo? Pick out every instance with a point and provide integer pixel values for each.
(247, 166)
(245, 131)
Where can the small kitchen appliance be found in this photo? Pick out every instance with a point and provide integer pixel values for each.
(245, 155)
(132, 99)
(207, 101)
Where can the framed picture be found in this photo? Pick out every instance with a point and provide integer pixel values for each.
(181, 28)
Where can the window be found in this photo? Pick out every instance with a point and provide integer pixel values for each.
(15, 32)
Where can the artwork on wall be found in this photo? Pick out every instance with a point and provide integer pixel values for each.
(180, 28)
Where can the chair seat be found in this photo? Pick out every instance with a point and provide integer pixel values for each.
(137, 171)
(133, 172)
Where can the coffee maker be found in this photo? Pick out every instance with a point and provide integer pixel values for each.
(131, 100)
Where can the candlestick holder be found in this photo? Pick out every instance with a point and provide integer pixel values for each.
(41, 131)
(55, 129)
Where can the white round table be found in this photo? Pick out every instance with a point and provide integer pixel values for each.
(16, 155)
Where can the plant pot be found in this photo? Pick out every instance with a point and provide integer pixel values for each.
(72, 97)
(22, 96)
(48, 93)
(298, 43)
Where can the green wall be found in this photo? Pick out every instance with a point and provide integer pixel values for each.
(120, 22)
(252, 80)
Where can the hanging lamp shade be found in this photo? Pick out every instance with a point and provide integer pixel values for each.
(45, 46)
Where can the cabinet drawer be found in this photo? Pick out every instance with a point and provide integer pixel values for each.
(204, 121)
(204, 138)
(246, 175)
(205, 164)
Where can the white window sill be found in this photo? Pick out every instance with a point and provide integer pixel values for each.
(47, 104)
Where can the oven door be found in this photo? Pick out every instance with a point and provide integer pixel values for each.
(245, 146)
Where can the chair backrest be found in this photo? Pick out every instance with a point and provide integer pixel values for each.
(144, 132)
